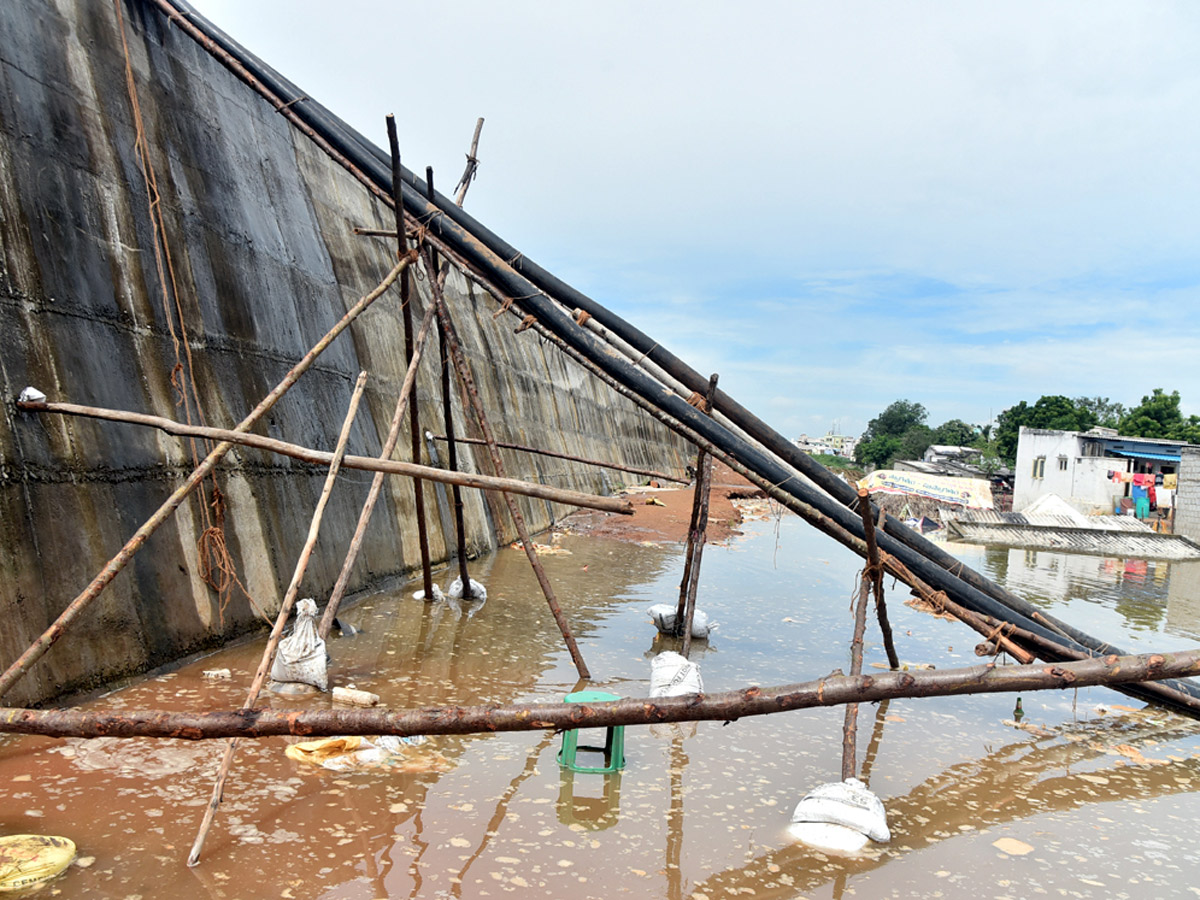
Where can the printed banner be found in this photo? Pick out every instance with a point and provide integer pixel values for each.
(975, 493)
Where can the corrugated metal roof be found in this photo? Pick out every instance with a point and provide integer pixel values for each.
(1112, 537)
(1134, 454)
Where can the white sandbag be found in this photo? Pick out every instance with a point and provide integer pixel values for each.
(828, 837)
(455, 590)
(437, 597)
(32, 395)
(663, 615)
(301, 655)
(673, 675)
(847, 803)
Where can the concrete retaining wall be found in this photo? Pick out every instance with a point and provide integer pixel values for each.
(258, 230)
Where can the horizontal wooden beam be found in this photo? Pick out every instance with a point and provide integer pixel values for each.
(323, 458)
(833, 690)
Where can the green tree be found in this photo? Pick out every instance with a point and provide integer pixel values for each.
(915, 441)
(896, 419)
(878, 451)
(1157, 416)
(1106, 412)
(1008, 428)
(1052, 411)
(896, 431)
(954, 433)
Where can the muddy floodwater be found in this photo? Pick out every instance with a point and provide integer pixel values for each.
(1093, 796)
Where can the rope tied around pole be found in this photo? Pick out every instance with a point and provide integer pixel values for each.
(217, 568)
(526, 323)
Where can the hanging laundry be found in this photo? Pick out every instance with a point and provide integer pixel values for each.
(1171, 481)
(1139, 478)
(1126, 477)
(1158, 478)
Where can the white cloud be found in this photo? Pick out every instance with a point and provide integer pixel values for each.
(960, 204)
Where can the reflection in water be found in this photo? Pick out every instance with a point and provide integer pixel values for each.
(700, 810)
(1139, 592)
(1019, 781)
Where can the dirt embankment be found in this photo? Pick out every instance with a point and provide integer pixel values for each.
(663, 513)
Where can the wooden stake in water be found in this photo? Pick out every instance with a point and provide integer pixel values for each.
(285, 610)
(413, 418)
(697, 534)
(364, 517)
(468, 383)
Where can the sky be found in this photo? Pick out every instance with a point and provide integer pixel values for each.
(833, 205)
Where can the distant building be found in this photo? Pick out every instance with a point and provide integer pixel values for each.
(1080, 467)
(943, 453)
(831, 444)
(816, 445)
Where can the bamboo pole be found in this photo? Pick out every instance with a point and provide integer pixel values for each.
(468, 383)
(368, 507)
(39, 647)
(832, 690)
(599, 463)
(876, 573)
(323, 458)
(472, 168)
(285, 611)
(414, 430)
(460, 529)
(697, 534)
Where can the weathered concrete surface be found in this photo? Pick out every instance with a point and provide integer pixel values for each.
(258, 228)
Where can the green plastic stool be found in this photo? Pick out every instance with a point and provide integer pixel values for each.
(614, 739)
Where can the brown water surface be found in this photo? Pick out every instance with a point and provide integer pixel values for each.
(1093, 797)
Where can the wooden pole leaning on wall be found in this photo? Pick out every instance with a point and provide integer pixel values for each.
(413, 417)
(285, 611)
(727, 706)
(39, 647)
(368, 507)
(697, 534)
(468, 383)
(460, 530)
(323, 458)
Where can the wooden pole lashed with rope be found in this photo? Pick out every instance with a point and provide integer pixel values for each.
(285, 611)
